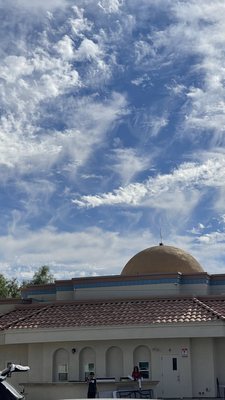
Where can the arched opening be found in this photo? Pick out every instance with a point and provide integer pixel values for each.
(86, 362)
(142, 358)
(114, 362)
(60, 365)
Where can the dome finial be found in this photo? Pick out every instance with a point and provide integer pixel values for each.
(161, 242)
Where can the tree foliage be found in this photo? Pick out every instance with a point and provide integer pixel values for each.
(42, 276)
(10, 288)
(3, 286)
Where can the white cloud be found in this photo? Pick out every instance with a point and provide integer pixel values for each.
(77, 254)
(39, 4)
(144, 52)
(65, 47)
(58, 108)
(15, 67)
(156, 124)
(79, 24)
(212, 238)
(88, 253)
(42, 79)
(155, 191)
(177, 202)
(143, 80)
(176, 88)
(29, 81)
(219, 205)
(198, 31)
(146, 123)
(128, 163)
(22, 149)
(196, 230)
(131, 195)
(110, 6)
(87, 50)
(222, 218)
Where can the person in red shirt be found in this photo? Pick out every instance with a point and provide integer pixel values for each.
(136, 375)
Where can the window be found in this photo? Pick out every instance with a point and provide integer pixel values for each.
(144, 369)
(142, 358)
(60, 365)
(62, 372)
(87, 362)
(90, 367)
(174, 361)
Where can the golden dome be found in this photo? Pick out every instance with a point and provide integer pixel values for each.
(161, 259)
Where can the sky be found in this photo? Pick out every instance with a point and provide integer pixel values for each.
(112, 133)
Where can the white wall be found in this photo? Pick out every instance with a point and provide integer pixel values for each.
(203, 367)
(35, 360)
(17, 355)
(220, 360)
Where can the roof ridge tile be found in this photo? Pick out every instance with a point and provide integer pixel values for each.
(208, 308)
(20, 318)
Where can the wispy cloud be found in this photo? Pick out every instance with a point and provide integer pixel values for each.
(127, 163)
(110, 6)
(201, 27)
(37, 4)
(104, 102)
(189, 176)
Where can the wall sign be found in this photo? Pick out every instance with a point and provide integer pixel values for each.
(184, 352)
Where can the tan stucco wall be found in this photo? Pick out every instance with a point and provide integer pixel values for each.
(203, 367)
(39, 357)
(163, 342)
(16, 354)
(36, 363)
(219, 360)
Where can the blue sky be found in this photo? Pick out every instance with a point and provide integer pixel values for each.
(112, 130)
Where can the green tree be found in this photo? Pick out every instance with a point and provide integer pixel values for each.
(9, 287)
(13, 288)
(42, 276)
(3, 287)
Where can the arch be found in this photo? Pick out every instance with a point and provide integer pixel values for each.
(114, 362)
(60, 365)
(142, 358)
(87, 361)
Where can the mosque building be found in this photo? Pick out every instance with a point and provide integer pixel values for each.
(163, 313)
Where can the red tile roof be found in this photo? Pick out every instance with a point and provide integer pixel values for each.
(114, 313)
